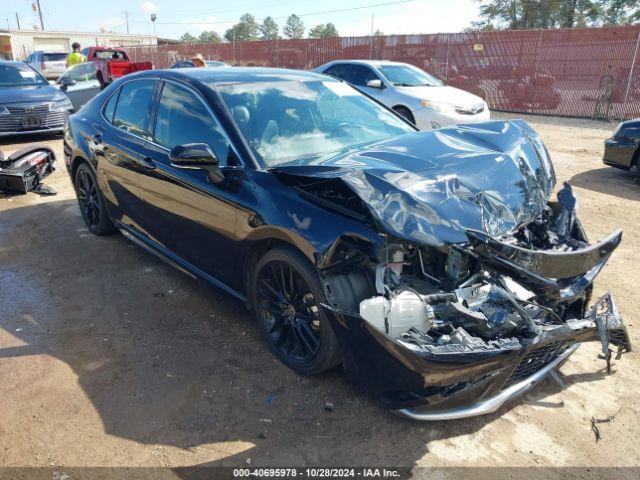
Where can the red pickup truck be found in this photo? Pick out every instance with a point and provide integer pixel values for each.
(112, 63)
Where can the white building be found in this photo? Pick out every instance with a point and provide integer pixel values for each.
(17, 44)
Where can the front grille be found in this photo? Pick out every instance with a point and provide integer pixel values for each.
(28, 117)
(535, 360)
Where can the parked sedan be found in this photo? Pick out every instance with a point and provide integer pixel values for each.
(50, 64)
(622, 150)
(417, 96)
(28, 104)
(432, 265)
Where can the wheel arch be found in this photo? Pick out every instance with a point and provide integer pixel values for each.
(267, 239)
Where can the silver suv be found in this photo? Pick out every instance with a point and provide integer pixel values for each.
(50, 64)
(413, 93)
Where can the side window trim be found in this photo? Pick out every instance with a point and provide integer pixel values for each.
(154, 111)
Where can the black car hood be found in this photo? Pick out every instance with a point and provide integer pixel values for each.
(31, 93)
(431, 187)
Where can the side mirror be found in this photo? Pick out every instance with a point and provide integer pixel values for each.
(197, 156)
(66, 82)
(375, 83)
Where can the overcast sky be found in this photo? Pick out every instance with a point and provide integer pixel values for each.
(175, 17)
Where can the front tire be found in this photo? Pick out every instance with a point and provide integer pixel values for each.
(91, 202)
(286, 295)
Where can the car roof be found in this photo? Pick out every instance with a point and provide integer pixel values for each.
(375, 63)
(237, 74)
(16, 63)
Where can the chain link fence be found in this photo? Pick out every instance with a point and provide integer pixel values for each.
(592, 73)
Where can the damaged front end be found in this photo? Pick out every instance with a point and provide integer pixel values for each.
(478, 287)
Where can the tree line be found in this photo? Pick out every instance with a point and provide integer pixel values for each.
(249, 29)
(528, 14)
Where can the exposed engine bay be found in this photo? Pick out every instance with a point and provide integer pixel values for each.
(476, 284)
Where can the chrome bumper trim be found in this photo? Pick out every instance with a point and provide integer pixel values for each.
(488, 405)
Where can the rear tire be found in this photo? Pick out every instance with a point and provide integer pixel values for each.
(91, 202)
(405, 113)
(286, 295)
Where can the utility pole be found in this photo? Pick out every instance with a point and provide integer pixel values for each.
(40, 15)
(126, 19)
(18, 20)
(371, 44)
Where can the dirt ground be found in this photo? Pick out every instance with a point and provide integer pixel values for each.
(109, 357)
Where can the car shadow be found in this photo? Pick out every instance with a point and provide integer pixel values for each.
(610, 181)
(169, 360)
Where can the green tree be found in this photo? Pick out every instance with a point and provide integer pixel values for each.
(209, 36)
(323, 31)
(188, 38)
(269, 29)
(521, 14)
(245, 30)
(294, 28)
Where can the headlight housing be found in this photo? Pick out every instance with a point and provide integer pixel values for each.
(61, 105)
(435, 106)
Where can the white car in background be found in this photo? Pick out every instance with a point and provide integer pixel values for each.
(417, 96)
(50, 64)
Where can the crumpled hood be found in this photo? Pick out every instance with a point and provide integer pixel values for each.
(430, 187)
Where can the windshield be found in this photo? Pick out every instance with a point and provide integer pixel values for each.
(298, 121)
(408, 76)
(19, 75)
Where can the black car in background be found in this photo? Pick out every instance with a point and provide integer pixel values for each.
(622, 150)
(28, 103)
(432, 265)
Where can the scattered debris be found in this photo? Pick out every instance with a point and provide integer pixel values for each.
(24, 169)
(19, 329)
(271, 398)
(595, 421)
(262, 435)
(328, 407)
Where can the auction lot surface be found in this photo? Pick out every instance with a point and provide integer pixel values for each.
(109, 357)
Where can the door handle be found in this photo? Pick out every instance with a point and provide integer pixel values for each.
(147, 163)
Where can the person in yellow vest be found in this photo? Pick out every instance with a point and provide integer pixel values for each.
(75, 57)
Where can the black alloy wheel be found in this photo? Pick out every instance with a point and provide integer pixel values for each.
(286, 297)
(91, 202)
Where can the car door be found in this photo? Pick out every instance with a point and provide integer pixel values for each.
(186, 214)
(120, 145)
(80, 84)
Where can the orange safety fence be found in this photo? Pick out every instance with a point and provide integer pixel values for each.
(590, 72)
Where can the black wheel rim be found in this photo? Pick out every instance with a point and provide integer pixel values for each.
(290, 312)
(88, 198)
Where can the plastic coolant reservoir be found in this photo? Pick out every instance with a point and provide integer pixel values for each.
(403, 311)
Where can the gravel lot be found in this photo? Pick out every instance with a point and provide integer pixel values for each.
(110, 357)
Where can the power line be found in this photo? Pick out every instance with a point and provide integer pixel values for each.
(286, 16)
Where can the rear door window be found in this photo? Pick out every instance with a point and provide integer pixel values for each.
(134, 103)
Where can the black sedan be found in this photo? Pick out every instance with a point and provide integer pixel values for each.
(432, 265)
(28, 103)
(622, 150)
